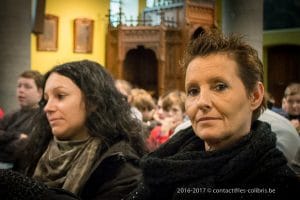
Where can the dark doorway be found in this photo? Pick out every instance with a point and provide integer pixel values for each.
(283, 68)
(140, 69)
(199, 31)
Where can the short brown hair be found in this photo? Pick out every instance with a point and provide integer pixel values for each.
(175, 97)
(35, 75)
(292, 89)
(250, 68)
(142, 100)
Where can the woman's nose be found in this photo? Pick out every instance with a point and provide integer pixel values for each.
(49, 106)
(204, 100)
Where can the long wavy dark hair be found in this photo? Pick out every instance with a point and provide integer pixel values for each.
(109, 115)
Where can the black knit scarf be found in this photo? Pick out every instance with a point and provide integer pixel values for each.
(183, 162)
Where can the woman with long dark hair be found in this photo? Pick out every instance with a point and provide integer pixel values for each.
(86, 140)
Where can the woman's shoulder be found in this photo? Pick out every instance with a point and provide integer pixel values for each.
(284, 174)
(116, 173)
(121, 151)
(279, 177)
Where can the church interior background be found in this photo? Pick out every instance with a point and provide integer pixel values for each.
(142, 41)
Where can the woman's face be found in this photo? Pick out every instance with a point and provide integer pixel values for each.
(217, 103)
(65, 108)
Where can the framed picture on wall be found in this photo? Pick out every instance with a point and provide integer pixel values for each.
(83, 35)
(47, 41)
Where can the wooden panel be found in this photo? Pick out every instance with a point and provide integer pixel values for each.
(283, 68)
(156, 66)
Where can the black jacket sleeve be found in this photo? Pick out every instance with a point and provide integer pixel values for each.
(14, 185)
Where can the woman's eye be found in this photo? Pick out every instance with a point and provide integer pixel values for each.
(193, 92)
(220, 86)
(61, 96)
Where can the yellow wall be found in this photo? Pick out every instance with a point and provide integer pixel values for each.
(218, 13)
(281, 37)
(142, 6)
(67, 11)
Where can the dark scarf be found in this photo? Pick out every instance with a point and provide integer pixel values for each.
(182, 162)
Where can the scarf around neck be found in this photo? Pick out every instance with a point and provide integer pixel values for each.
(66, 164)
(183, 160)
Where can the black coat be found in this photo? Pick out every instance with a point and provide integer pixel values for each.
(16, 186)
(252, 168)
(115, 174)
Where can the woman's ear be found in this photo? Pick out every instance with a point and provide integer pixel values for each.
(257, 96)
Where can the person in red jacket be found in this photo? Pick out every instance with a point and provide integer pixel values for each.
(174, 113)
(1, 113)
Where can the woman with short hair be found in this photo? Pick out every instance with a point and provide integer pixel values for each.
(227, 153)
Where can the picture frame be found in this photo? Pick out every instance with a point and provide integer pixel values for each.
(48, 40)
(83, 35)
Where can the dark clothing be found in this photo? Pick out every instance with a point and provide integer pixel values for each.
(182, 169)
(291, 117)
(115, 174)
(11, 127)
(14, 185)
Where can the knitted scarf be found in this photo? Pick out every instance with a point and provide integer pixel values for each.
(183, 162)
(67, 164)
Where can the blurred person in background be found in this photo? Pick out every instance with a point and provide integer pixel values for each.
(291, 104)
(125, 88)
(144, 102)
(17, 125)
(1, 113)
(172, 114)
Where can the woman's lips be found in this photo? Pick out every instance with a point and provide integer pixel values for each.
(203, 119)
